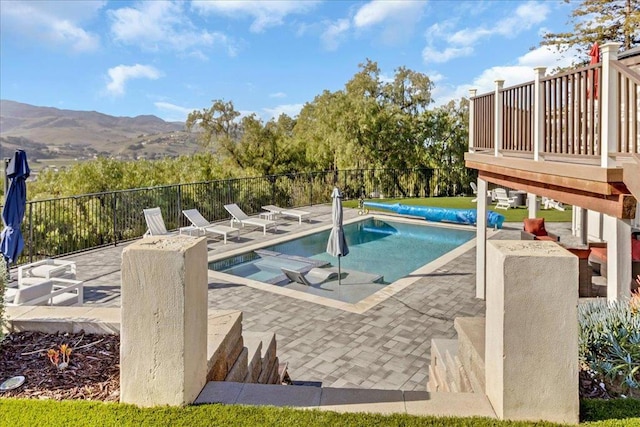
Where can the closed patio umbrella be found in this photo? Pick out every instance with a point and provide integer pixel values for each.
(337, 245)
(12, 243)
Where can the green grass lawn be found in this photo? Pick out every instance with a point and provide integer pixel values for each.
(23, 412)
(511, 215)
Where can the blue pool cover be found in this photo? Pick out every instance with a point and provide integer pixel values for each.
(458, 216)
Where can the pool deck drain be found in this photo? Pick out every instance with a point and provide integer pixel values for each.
(387, 347)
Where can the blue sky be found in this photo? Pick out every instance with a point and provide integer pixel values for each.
(268, 57)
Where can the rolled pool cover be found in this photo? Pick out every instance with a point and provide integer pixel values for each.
(458, 216)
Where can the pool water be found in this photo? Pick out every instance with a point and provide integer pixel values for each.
(390, 249)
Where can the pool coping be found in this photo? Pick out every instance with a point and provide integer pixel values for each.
(372, 300)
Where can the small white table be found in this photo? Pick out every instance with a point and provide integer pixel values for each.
(271, 216)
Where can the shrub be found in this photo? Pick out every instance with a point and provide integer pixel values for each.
(610, 343)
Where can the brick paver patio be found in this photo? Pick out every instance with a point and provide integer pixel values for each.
(387, 347)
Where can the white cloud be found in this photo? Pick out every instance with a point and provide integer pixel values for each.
(56, 23)
(172, 112)
(334, 33)
(265, 14)
(278, 95)
(157, 25)
(398, 18)
(378, 11)
(121, 73)
(431, 55)
(461, 42)
(291, 110)
(521, 72)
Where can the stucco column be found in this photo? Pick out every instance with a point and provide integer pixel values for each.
(617, 234)
(531, 337)
(163, 336)
(481, 238)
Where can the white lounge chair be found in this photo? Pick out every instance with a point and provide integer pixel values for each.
(474, 188)
(237, 215)
(39, 271)
(296, 213)
(504, 201)
(313, 277)
(54, 291)
(155, 223)
(550, 203)
(200, 224)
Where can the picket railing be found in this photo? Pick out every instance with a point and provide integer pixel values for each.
(587, 115)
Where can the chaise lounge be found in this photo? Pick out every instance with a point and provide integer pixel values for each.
(201, 225)
(313, 277)
(296, 213)
(238, 215)
(598, 257)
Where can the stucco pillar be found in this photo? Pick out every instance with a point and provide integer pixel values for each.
(481, 238)
(617, 234)
(531, 346)
(163, 336)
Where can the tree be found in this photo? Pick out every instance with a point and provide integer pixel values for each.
(599, 21)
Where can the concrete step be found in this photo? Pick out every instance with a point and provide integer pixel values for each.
(224, 342)
(253, 343)
(471, 345)
(348, 400)
(238, 371)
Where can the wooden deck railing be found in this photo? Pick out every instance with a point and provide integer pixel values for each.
(590, 114)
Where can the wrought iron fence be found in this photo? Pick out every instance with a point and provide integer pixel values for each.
(56, 227)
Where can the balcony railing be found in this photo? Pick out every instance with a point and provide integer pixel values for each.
(588, 115)
(66, 225)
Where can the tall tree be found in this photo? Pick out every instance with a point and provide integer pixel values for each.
(599, 21)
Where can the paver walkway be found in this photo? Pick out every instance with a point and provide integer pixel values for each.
(387, 347)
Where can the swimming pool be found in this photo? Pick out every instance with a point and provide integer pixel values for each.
(377, 247)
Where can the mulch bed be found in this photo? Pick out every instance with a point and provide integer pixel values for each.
(93, 371)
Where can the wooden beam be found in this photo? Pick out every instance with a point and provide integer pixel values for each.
(564, 169)
(620, 206)
(574, 184)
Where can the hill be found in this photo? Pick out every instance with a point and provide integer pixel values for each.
(50, 134)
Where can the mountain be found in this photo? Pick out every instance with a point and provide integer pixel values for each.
(52, 133)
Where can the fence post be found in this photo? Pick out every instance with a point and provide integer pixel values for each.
(608, 105)
(115, 218)
(538, 112)
(179, 211)
(310, 189)
(30, 232)
(472, 101)
(497, 146)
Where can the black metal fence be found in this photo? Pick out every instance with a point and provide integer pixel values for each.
(66, 225)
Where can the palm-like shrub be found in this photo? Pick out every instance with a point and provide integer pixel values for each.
(610, 343)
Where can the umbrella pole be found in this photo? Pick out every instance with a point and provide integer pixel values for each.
(339, 272)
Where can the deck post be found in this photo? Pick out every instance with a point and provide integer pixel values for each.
(538, 112)
(481, 239)
(617, 234)
(497, 143)
(608, 105)
(472, 101)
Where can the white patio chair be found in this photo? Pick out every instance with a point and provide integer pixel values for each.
(504, 201)
(548, 203)
(155, 223)
(296, 213)
(200, 224)
(237, 215)
(39, 271)
(54, 291)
